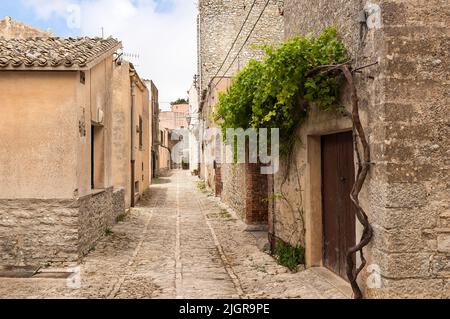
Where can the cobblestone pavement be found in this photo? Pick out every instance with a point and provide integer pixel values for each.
(180, 243)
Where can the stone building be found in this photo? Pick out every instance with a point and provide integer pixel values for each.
(131, 138)
(164, 152)
(194, 130)
(154, 124)
(219, 23)
(10, 28)
(61, 143)
(404, 109)
(176, 118)
(176, 122)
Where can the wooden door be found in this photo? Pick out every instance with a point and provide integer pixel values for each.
(338, 176)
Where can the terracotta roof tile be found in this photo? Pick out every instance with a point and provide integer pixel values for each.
(51, 53)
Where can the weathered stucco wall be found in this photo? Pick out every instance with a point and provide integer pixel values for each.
(94, 95)
(48, 211)
(38, 135)
(121, 136)
(164, 156)
(153, 128)
(121, 130)
(405, 114)
(142, 152)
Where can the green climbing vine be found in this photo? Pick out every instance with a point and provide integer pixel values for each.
(277, 91)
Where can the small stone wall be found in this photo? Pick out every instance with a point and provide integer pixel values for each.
(33, 232)
(234, 187)
(58, 232)
(97, 213)
(118, 203)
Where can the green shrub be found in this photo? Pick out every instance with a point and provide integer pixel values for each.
(289, 256)
(277, 91)
(201, 185)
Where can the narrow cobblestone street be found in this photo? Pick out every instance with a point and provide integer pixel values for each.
(180, 243)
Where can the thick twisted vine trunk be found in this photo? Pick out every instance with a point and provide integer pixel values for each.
(363, 170)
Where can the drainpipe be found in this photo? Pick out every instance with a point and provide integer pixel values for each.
(133, 159)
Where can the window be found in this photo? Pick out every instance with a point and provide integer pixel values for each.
(141, 141)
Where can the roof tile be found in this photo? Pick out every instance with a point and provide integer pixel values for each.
(71, 53)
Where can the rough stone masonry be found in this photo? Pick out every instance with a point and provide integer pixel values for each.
(57, 232)
(405, 106)
(219, 23)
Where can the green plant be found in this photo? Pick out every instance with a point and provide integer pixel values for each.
(108, 232)
(120, 218)
(277, 92)
(289, 256)
(180, 101)
(201, 185)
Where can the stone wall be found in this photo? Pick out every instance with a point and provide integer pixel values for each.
(412, 244)
(118, 203)
(234, 187)
(57, 232)
(220, 22)
(33, 232)
(96, 215)
(404, 111)
(15, 29)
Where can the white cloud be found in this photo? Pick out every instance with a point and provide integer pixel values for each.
(165, 41)
(44, 9)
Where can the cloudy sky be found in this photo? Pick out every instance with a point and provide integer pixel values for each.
(158, 35)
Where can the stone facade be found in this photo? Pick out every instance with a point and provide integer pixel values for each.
(164, 154)
(16, 29)
(67, 149)
(58, 232)
(234, 187)
(154, 127)
(219, 23)
(125, 85)
(404, 109)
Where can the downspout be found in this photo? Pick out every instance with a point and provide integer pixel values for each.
(133, 158)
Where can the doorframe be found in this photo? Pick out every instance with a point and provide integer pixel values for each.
(313, 198)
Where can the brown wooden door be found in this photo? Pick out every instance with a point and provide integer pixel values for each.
(338, 176)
